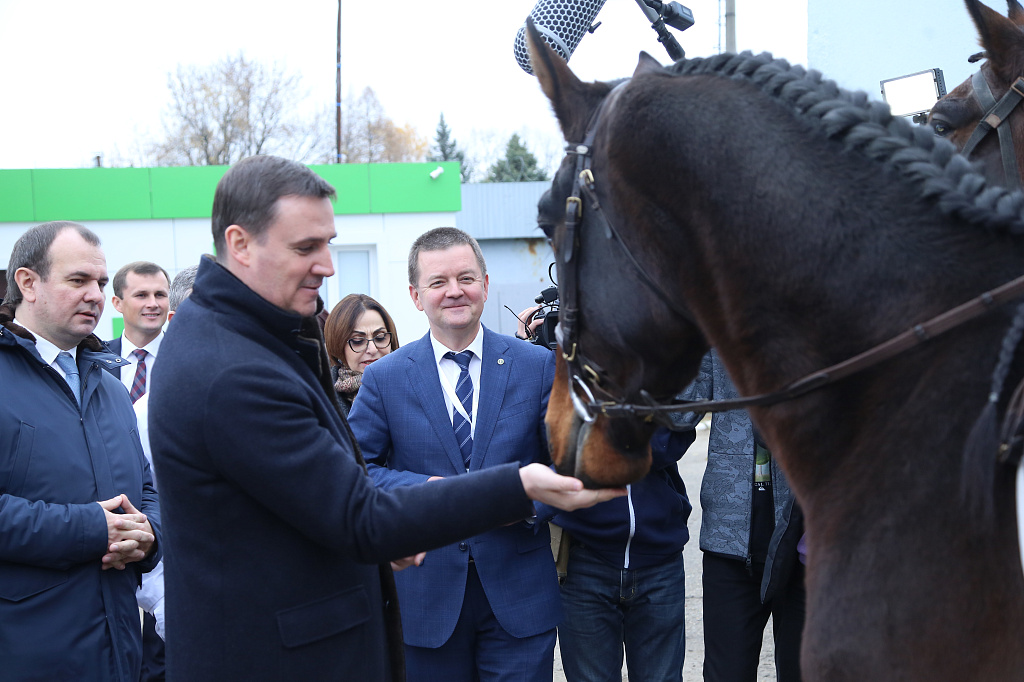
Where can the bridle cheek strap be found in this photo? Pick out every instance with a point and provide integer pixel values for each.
(996, 114)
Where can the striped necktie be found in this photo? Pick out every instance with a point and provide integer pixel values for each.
(464, 392)
(139, 383)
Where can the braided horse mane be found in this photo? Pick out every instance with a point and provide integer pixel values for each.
(868, 127)
(943, 176)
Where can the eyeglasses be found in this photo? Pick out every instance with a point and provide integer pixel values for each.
(382, 341)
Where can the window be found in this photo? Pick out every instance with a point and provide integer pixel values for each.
(355, 272)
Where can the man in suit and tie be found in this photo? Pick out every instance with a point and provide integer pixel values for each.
(140, 295)
(461, 399)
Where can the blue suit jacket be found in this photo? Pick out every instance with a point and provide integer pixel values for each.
(402, 425)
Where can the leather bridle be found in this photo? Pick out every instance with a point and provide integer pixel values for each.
(592, 391)
(996, 114)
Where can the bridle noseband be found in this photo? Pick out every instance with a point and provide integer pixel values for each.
(996, 114)
(592, 391)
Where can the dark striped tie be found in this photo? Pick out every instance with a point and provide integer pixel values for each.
(139, 383)
(464, 392)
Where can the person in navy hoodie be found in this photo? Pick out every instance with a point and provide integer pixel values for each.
(625, 584)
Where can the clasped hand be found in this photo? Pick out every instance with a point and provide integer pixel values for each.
(129, 535)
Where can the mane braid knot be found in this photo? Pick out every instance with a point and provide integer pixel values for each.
(944, 177)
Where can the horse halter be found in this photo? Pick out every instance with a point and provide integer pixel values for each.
(593, 393)
(996, 114)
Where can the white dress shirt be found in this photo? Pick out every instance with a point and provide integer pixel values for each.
(49, 352)
(150, 595)
(128, 373)
(448, 372)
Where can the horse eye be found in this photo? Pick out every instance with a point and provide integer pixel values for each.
(941, 129)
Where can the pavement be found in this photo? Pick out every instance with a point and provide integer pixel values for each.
(691, 468)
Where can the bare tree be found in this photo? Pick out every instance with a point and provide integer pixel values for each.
(233, 109)
(368, 135)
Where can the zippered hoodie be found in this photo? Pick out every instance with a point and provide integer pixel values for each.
(648, 526)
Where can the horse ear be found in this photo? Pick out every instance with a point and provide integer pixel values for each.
(1015, 12)
(647, 64)
(1001, 37)
(568, 94)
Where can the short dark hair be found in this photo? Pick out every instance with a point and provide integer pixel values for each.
(247, 194)
(139, 267)
(438, 239)
(342, 320)
(32, 251)
(181, 287)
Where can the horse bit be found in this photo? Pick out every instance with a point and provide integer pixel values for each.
(593, 393)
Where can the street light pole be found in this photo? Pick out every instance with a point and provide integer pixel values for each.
(337, 152)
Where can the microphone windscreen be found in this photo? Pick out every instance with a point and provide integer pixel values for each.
(562, 23)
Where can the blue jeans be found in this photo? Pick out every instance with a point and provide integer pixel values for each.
(607, 608)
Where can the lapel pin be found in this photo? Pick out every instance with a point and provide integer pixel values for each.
(501, 361)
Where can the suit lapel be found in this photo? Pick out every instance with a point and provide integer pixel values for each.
(427, 386)
(494, 373)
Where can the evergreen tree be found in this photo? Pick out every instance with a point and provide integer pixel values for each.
(519, 164)
(447, 149)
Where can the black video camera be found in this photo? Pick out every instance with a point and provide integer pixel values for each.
(544, 335)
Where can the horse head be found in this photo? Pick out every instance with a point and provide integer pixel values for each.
(597, 232)
(982, 116)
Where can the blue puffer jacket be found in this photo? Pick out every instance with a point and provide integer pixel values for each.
(61, 616)
(648, 526)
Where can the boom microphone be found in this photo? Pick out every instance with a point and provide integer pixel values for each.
(562, 23)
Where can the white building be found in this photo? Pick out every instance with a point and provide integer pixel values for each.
(163, 215)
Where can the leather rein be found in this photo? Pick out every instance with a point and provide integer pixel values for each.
(592, 391)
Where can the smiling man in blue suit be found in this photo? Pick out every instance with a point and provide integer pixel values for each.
(460, 399)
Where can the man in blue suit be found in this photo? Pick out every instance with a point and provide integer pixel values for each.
(460, 399)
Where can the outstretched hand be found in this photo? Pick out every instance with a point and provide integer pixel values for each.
(564, 492)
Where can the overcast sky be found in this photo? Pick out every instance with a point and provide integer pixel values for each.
(86, 78)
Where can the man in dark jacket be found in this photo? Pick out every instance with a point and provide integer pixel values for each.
(273, 526)
(78, 512)
(748, 534)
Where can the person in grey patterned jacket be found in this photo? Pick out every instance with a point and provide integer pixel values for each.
(745, 501)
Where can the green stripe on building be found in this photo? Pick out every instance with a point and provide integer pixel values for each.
(187, 192)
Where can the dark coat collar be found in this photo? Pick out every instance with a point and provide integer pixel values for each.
(91, 347)
(247, 312)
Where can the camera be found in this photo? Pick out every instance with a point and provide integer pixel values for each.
(544, 335)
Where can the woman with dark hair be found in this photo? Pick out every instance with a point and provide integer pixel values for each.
(358, 331)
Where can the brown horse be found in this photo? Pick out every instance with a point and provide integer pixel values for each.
(742, 203)
(962, 117)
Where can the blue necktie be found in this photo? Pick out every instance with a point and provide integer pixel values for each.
(67, 363)
(464, 392)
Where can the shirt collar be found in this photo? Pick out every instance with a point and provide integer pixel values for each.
(47, 351)
(153, 347)
(476, 345)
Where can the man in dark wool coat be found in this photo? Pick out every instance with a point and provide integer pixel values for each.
(277, 543)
